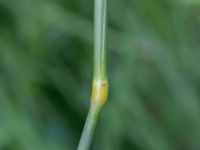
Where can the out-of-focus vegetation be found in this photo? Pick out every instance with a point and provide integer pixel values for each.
(46, 49)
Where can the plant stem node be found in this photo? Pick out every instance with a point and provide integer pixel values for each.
(100, 91)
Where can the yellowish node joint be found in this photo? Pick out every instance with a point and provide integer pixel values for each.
(100, 92)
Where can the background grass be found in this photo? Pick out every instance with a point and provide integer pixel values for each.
(46, 49)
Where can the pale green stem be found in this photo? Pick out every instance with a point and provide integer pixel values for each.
(100, 85)
(89, 128)
(100, 40)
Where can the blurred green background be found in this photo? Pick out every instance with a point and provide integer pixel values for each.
(46, 56)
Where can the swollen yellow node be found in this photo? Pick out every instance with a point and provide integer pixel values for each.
(100, 92)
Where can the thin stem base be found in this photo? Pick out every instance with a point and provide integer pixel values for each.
(89, 127)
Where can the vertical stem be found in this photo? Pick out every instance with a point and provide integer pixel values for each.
(100, 83)
(89, 128)
(100, 20)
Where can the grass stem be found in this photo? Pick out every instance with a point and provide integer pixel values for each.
(100, 83)
(89, 128)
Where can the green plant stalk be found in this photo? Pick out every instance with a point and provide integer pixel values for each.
(100, 83)
(100, 20)
(89, 128)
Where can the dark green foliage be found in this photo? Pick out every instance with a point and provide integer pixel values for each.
(46, 49)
